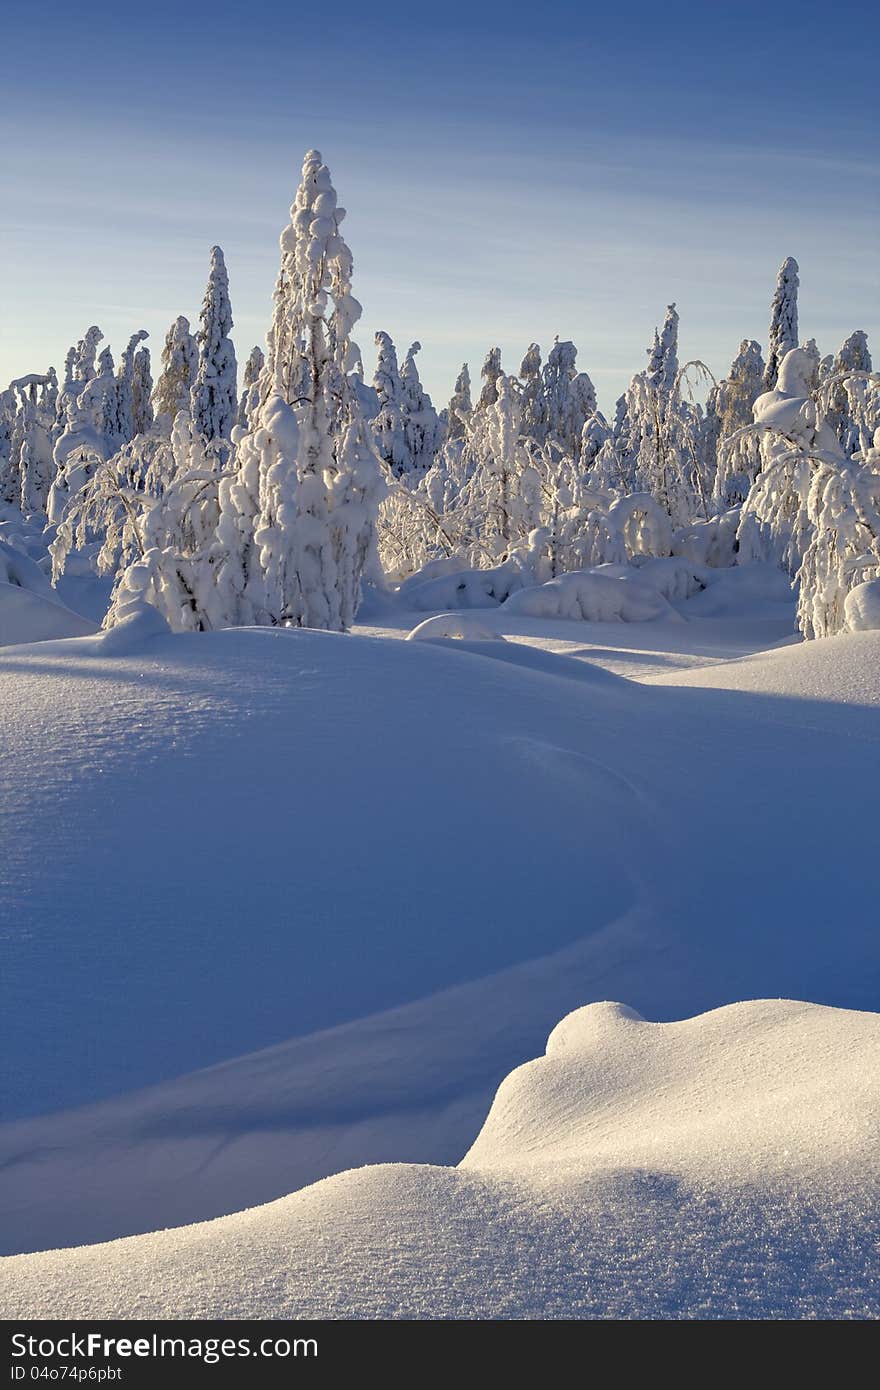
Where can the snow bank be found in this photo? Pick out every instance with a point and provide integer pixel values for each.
(29, 609)
(636, 1171)
(593, 597)
(828, 672)
(27, 617)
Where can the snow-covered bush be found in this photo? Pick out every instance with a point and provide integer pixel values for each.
(472, 588)
(593, 597)
(731, 403)
(843, 553)
(774, 523)
(861, 607)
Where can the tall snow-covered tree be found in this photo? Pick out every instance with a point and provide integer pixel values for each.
(214, 394)
(458, 412)
(27, 418)
(180, 361)
(389, 431)
(125, 407)
(421, 421)
(568, 399)
(142, 392)
(298, 515)
(853, 359)
(530, 394)
(663, 354)
(249, 398)
(783, 320)
(489, 374)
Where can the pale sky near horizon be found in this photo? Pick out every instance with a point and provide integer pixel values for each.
(509, 174)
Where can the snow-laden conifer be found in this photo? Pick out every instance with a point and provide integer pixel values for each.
(489, 374)
(389, 431)
(298, 517)
(458, 412)
(214, 393)
(249, 398)
(180, 360)
(422, 426)
(783, 320)
(142, 392)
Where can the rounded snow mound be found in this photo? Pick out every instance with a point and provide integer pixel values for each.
(459, 626)
(593, 597)
(637, 1170)
(861, 607)
(760, 1090)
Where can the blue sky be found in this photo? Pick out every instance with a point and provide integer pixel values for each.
(509, 173)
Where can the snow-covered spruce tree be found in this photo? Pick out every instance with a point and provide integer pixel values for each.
(26, 466)
(530, 394)
(663, 353)
(250, 395)
(125, 409)
(422, 426)
(458, 412)
(307, 464)
(142, 392)
(489, 374)
(214, 394)
(8, 478)
(783, 320)
(389, 431)
(853, 359)
(568, 399)
(731, 402)
(180, 360)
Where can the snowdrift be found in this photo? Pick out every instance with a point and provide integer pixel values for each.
(28, 617)
(593, 597)
(29, 609)
(337, 887)
(722, 1167)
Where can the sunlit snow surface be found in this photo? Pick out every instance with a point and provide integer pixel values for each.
(720, 1167)
(394, 867)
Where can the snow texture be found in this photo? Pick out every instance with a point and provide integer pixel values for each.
(720, 1167)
